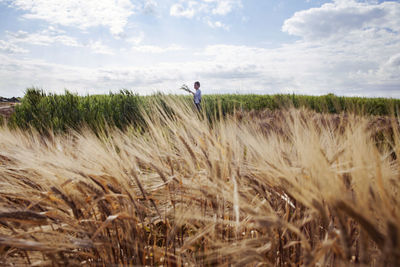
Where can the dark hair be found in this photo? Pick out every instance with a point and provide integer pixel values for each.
(198, 83)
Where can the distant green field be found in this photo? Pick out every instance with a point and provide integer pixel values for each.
(61, 112)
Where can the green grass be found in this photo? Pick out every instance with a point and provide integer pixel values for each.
(58, 113)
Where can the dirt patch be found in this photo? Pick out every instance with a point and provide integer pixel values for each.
(7, 106)
(7, 110)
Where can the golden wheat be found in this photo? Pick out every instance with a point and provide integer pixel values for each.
(284, 188)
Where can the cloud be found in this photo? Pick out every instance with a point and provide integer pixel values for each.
(190, 8)
(358, 44)
(343, 17)
(44, 38)
(98, 47)
(300, 67)
(156, 49)
(179, 10)
(361, 58)
(205, 9)
(18, 74)
(136, 39)
(218, 24)
(367, 65)
(150, 6)
(390, 70)
(394, 61)
(11, 48)
(112, 14)
(223, 7)
(48, 37)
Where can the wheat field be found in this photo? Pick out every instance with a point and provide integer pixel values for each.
(282, 188)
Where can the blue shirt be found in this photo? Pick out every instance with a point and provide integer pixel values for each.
(197, 96)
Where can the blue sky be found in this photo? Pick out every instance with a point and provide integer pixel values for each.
(346, 47)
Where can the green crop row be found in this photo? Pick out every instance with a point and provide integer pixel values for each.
(61, 112)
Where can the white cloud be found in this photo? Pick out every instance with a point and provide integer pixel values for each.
(113, 14)
(51, 36)
(152, 49)
(366, 64)
(223, 7)
(218, 24)
(301, 67)
(190, 8)
(136, 40)
(11, 48)
(361, 58)
(98, 47)
(394, 61)
(389, 71)
(179, 10)
(150, 6)
(18, 74)
(343, 17)
(43, 38)
(357, 43)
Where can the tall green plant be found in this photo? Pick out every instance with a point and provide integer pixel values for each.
(54, 112)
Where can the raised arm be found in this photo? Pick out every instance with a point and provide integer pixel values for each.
(186, 88)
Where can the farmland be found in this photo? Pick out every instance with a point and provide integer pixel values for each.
(70, 111)
(130, 180)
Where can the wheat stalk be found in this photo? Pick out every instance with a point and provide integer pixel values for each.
(273, 188)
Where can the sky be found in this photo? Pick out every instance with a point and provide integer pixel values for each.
(314, 47)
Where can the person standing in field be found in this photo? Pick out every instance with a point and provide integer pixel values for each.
(197, 95)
